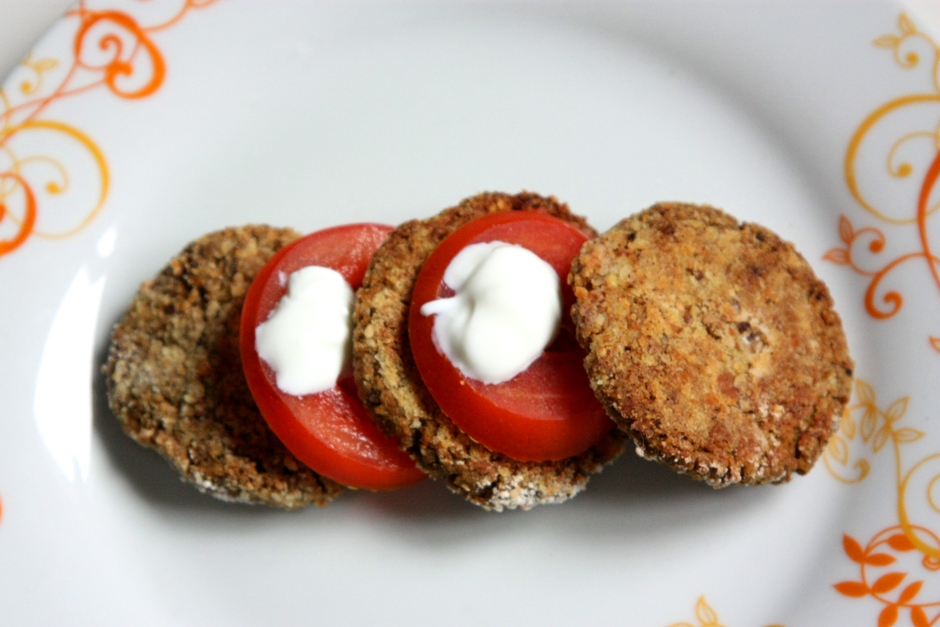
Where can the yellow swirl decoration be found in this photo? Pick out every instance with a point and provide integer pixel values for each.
(895, 564)
(120, 54)
(906, 553)
(39, 67)
(17, 167)
(903, 170)
(910, 47)
(705, 616)
(123, 45)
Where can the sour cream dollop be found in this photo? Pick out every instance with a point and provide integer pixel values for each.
(505, 310)
(306, 339)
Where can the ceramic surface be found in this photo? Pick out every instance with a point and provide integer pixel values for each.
(133, 127)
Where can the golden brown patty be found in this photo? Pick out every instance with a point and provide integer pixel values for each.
(175, 379)
(391, 387)
(711, 343)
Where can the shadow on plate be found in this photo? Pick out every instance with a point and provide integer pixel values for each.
(150, 475)
(628, 480)
(627, 484)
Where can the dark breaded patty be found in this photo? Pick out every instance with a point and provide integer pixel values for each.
(175, 379)
(711, 343)
(392, 389)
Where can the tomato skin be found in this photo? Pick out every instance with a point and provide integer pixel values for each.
(548, 412)
(331, 432)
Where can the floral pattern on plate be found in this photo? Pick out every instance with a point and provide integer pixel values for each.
(110, 49)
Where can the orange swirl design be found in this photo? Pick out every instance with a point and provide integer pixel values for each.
(896, 563)
(29, 219)
(909, 47)
(116, 65)
(111, 49)
(911, 550)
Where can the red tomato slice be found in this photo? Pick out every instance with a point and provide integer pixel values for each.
(547, 412)
(331, 431)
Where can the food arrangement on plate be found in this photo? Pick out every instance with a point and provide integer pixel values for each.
(613, 107)
(501, 346)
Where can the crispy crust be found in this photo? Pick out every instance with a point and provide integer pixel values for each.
(711, 343)
(390, 386)
(175, 380)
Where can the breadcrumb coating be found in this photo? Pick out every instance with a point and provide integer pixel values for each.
(711, 343)
(175, 378)
(392, 389)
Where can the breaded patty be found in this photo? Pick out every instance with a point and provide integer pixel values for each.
(711, 343)
(392, 389)
(175, 378)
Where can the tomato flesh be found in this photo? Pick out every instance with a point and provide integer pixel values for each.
(331, 432)
(547, 412)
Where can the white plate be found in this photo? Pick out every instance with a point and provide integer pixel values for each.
(819, 120)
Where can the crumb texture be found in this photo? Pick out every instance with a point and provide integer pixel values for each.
(390, 386)
(175, 380)
(711, 343)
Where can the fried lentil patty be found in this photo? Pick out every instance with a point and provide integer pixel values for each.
(175, 379)
(711, 343)
(391, 387)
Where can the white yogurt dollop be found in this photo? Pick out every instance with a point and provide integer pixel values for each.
(306, 340)
(505, 310)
